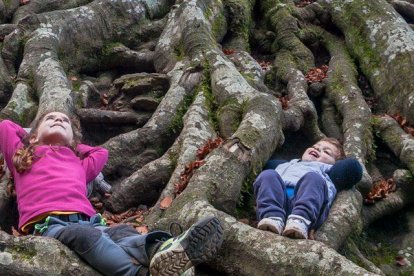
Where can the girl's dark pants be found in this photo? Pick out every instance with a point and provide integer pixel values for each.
(310, 198)
(118, 250)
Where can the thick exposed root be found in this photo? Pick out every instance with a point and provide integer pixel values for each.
(32, 255)
(344, 219)
(154, 134)
(389, 41)
(401, 143)
(40, 6)
(393, 202)
(243, 250)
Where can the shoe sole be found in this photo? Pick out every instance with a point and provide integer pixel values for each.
(292, 233)
(269, 227)
(201, 243)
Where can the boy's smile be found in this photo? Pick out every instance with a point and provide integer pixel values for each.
(322, 151)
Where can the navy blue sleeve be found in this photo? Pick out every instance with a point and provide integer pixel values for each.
(273, 163)
(345, 173)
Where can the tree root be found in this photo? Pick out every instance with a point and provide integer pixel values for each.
(155, 132)
(343, 90)
(400, 143)
(164, 172)
(244, 252)
(112, 117)
(239, 23)
(343, 219)
(351, 246)
(292, 60)
(330, 119)
(390, 47)
(394, 202)
(138, 61)
(41, 256)
(40, 6)
(404, 8)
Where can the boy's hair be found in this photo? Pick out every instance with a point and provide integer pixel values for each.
(23, 158)
(337, 144)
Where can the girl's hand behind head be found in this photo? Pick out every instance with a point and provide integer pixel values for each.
(55, 128)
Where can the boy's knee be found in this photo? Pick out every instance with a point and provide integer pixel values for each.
(266, 176)
(79, 238)
(313, 178)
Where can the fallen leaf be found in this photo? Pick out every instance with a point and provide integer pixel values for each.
(317, 74)
(304, 3)
(201, 153)
(228, 51)
(24, 2)
(142, 229)
(15, 232)
(104, 100)
(73, 78)
(244, 220)
(166, 202)
(401, 261)
(312, 234)
(380, 190)
(284, 100)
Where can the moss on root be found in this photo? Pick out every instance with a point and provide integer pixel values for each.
(178, 120)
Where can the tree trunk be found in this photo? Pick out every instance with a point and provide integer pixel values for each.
(155, 81)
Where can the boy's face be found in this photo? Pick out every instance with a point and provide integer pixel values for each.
(322, 151)
(56, 129)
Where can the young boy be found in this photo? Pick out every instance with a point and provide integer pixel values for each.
(303, 189)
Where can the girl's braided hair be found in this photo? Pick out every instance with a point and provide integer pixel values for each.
(24, 157)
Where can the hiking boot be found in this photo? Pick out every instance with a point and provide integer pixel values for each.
(196, 245)
(296, 227)
(272, 224)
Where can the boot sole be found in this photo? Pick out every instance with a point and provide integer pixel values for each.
(294, 234)
(201, 243)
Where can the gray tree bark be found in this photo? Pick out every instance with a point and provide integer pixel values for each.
(153, 81)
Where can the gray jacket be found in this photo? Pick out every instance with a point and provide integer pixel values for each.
(294, 170)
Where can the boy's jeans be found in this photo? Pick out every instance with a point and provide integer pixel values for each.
(310, 199)
(118, 250)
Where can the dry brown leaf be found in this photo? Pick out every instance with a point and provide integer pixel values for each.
(142, 229)
(245, 221)
(228, 51)
(15, 232)
(166, 202)
(304, 3)
(380, 190)
(312, 234)
(401, 261)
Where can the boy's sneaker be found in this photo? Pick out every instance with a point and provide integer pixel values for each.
(196, 245)
(272, 224)
(296, 227)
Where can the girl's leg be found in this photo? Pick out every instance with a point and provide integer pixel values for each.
(95, 248)
(311, 199)
(269, 190)
(141, 247)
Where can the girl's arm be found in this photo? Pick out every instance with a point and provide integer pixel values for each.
(345, 173)
(11, 136)
(93, 160)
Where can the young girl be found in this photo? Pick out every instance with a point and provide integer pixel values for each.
(303, 189)
(50, 170)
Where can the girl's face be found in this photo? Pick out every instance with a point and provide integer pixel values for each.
(54, 129)
(322, 151)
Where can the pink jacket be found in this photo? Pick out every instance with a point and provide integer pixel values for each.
(57, 179)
